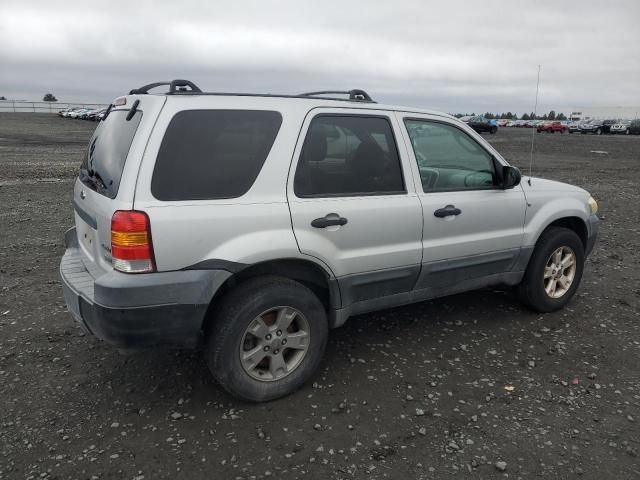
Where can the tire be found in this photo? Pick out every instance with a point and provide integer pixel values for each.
(626, 132)
(598, 132)
(493, 130)
(532, 290)
(262, 298)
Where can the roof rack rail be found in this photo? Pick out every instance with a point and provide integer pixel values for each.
(175, 87)
(356, 94)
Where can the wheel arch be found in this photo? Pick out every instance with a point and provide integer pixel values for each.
(575, 224)
(315, 277)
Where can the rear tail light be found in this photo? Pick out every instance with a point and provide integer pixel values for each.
(131, 247)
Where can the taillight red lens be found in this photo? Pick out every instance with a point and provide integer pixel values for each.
(131, 246)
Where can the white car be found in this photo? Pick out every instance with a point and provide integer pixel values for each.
(251, 224)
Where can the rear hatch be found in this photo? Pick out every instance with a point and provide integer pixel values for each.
(108, 173)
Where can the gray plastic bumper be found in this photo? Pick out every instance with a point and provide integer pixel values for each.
(138, 310)
(593, 225)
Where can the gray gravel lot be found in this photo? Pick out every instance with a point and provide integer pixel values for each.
(470, 386)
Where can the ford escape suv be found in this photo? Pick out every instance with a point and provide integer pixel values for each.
(251, 224)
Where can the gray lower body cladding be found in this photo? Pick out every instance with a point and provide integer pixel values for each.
(138, 310)
(417, 283)
(593, 225)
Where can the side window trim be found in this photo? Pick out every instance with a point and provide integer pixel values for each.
(392, 128)
(494, 160)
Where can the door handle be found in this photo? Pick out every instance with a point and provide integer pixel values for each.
(330, 219)
(446, 211)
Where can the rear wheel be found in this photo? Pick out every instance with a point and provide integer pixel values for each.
(267, 338)
(554, 271)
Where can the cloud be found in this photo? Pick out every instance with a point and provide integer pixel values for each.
(455, 56)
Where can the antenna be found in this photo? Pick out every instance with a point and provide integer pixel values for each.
(533, 130)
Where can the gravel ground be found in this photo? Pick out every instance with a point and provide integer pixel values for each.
(470, 386)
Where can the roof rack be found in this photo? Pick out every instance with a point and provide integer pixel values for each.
(185, 87)
(175, 86)
(355, 94)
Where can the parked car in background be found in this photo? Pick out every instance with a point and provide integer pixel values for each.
(552, 127)
(592, 126)
(94, 115)
(620, 127)
(520, 123)
(77, 113)
(573, 127)
(481, 124)
(502, 123)
(607, 124)
(634, 127)
(510, 123)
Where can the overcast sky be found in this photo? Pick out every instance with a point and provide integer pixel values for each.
(454, 56)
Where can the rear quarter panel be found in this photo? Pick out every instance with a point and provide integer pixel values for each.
(249, 229)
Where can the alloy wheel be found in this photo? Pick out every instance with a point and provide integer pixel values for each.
(275, 343)
(559, 272)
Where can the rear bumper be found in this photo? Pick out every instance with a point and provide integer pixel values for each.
(593, 225)
(138, 310)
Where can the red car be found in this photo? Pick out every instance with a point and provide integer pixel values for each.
(553, 127)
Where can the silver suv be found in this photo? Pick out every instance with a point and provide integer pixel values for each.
(251, 224)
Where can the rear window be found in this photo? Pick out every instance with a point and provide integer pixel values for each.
(213, 154)
(102, 167)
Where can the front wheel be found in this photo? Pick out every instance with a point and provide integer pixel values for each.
(554, 271)
(267, 338)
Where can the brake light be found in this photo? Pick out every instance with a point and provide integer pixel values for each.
(131, 247)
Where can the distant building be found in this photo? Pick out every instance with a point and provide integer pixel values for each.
(604, 113)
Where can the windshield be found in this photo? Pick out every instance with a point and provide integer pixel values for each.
(103, 164)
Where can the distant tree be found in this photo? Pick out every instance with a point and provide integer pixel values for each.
(532, 116)
(561, 116)
(552, 115)
(544, 117)
(489, 115)
(49, 97)
(510, 115)
(525, 116)
(3, 98)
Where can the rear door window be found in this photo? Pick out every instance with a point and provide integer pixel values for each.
(213, 154)
(349, 155)
(102, 167)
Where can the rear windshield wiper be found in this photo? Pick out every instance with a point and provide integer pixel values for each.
(94, 177)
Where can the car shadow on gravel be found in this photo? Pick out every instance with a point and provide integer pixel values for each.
(360, 341)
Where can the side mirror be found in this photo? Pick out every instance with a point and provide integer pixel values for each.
(510, 177)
